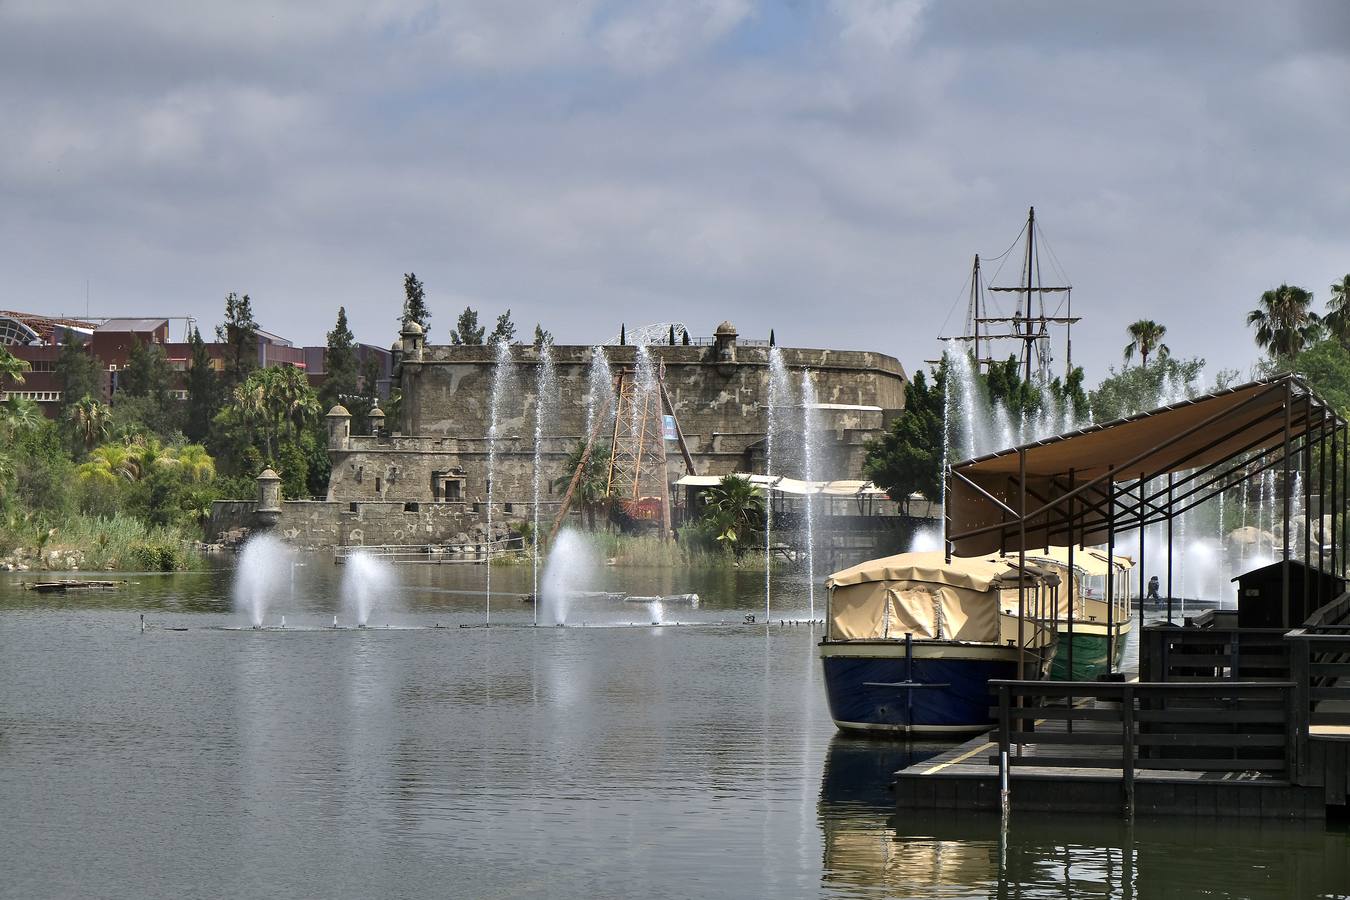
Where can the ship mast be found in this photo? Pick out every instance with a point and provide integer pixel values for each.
(1031, 330)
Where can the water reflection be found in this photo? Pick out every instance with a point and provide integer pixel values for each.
(870, 850)
(504, 762)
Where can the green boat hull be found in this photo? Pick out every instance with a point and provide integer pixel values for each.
(1089, 657)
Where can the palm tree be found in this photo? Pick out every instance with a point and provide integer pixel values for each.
(19, 416)
(735, 507)
(108, 464)
(1284, 324)
(1337, 318)
(11, 367)
(292, 399)
(275, 402)
(194, 462)
(593, 488)
(1145, 336)
(89, 419)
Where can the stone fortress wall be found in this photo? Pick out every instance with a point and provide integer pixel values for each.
(719, 393)
(424, 479)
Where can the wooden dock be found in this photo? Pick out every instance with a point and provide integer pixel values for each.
(967, 778)
(1140, 749)
(1231, 721)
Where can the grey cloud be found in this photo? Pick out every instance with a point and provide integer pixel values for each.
(590, 163)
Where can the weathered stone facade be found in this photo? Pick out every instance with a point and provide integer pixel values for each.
(424, 480)
(437, 451)
(323, 525)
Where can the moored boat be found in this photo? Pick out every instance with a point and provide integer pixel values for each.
(913, 640)
(1077, 610)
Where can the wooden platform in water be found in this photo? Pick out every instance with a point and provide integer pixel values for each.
(966, 778)
(71, 584)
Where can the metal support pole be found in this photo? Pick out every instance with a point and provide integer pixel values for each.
(1110, 567)
(1321, 508)
(1143, 487)
(1307, 507)
(1073, 612)
(946, 515)
(1021, 564)
(1169, 548)
(1334, 504)
(1288, 496)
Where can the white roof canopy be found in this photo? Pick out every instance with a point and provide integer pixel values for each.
(781, 485)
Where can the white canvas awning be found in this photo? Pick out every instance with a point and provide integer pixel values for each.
(794, 486)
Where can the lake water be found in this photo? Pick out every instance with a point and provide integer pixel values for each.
(678, 761)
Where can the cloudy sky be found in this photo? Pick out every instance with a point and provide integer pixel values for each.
(825, 168)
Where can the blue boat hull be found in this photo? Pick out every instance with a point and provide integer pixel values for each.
(951, 692)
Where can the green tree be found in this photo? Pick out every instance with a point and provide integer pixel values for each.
(415, 303)
(77, 372)
(908, 456)
(1004, 383)
(1145, 337)
(88, 420)
(19, 415)
(239, 334)
(11, 368)
(505, 329)
(1069, 393)
(1337, 318)
(592, 491)
(204, 393)
(1284, 323)
(541, 337)
(147, 373)
(340, 381)
(467, 331)
(273, 406)
(1135, 390)
(1325, 365)
(735, 509)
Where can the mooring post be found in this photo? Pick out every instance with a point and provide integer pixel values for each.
(1003, 741)
(1127, 747)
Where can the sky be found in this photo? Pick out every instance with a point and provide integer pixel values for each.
(824, 169)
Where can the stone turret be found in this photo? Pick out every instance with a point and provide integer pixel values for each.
(413, 341)
(376, 420)
(724, 343)
(268, 511)
(339, 427)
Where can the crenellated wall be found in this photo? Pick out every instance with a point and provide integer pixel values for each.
(719, 393)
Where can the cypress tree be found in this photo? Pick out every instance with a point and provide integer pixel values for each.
(239, 333)
(415, 302)
(203, 389)
(339, 364)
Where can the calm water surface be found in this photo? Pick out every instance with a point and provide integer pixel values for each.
(679, 761)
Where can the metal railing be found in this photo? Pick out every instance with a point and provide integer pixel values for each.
(1175, 654)
(1216, 726)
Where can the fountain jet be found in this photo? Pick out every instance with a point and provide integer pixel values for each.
(367, 582)
(264, 566)
(571, 568)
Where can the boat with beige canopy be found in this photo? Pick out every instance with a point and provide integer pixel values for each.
(1077, 608)
(913, 640)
